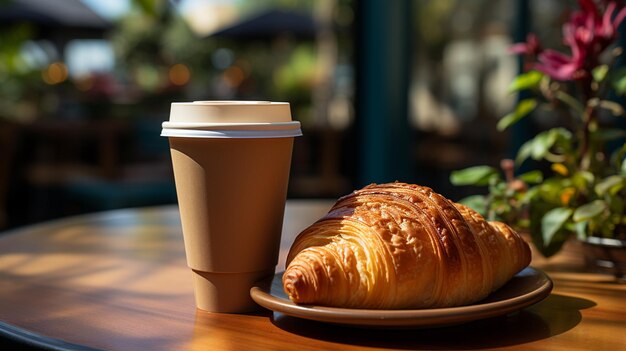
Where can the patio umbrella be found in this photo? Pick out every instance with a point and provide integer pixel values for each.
(55, 18)
(270, 23)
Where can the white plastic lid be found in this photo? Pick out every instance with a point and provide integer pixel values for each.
(231, 119)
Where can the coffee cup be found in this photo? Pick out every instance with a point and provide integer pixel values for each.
(231, 162)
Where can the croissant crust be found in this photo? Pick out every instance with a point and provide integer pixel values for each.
(397, 246)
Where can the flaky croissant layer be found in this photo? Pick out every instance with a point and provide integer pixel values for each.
(397, 246)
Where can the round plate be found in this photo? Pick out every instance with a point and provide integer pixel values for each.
(526, 288)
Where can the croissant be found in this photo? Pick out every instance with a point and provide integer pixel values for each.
(401, 246)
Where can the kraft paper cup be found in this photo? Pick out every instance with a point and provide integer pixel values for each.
(231, 182)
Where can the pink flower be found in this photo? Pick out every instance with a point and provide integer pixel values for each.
(558, 65)
(591, 28)
(587, 33)
(531, 47)
(607, 28)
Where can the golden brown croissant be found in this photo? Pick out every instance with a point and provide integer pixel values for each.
(395, 246)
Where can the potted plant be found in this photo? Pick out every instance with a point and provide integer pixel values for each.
(579, 186)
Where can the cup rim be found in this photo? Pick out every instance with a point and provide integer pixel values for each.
(230, 102)
(231, 126)
(231, 134)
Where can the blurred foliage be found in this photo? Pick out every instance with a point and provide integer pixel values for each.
(151, 43)
(20, 82)
(296, 76)
(157, 35)
(154, 37)
(147, 43)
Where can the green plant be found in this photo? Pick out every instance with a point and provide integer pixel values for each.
(583, 192)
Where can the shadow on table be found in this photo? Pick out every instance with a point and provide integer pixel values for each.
(17, 339)
(555, 315)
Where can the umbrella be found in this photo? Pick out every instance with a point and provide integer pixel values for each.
(269, 24)
(54, 16)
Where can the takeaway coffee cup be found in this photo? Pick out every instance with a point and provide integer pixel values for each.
(231, 163)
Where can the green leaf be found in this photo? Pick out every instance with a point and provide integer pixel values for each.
(532, 177)
(541, 145)
(537, 209)
(599, 73)
(619, 81)
(618, 159)
(552, 222)
(570, 101)
(477, 175)
(522, 109)
(580, 229)
(610, 185)
(556, 244)
(589, 211)
(476, 202)
(550, 190)
(560, 135)
(609, 134)
(528, 80)
(582, 179)
(615, 108)
(530, 194)
(524, 152)
(616, 207)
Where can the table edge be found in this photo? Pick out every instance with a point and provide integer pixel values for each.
(28, 338)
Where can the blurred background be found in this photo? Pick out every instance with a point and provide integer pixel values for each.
(403, 90)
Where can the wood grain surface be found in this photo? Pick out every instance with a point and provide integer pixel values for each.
(118, 281)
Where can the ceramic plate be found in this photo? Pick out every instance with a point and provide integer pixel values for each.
(524, 289)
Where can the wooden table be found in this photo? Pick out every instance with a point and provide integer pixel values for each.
(118, 281)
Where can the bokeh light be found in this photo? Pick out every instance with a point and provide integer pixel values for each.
(179, 74)
(234, 76)
(222, 58)
(84, 83)
(55, 73)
